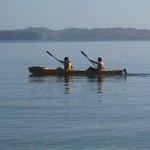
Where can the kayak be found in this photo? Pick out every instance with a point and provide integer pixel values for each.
(37, 70)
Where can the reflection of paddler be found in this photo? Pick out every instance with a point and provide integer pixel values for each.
(97, 79)
(100, 85)
(68, 79)
(100, 79)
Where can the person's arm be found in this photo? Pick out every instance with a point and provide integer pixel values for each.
(61, 61)
(93, 61)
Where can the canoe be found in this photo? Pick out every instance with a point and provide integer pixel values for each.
(37, 70)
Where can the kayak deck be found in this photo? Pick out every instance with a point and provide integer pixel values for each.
(37, 70)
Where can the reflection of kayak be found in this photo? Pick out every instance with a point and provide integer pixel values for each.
(37, 70)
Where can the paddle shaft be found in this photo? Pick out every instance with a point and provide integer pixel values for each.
(88, 58)
(54, 57)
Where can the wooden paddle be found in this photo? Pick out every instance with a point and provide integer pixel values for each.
(55, 57)
(88, 58)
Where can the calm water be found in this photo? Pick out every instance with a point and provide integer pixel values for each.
(74, 113)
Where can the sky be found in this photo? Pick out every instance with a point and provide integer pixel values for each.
(61, 14)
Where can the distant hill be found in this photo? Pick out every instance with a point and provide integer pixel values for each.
(76, 34)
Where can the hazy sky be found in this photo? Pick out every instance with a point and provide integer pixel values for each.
(61, 14)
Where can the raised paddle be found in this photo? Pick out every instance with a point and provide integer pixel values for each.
(88, 58)
(54, 57)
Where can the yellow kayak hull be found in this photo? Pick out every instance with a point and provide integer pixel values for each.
(37, 70)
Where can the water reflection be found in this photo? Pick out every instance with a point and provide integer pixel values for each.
(67, 85)
(78, 84)
(53, 80)
(105, 82)
(99, 80)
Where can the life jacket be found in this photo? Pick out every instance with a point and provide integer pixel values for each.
(68, 65)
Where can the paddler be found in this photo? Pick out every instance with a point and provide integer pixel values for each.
(100, 65)
(67, 64)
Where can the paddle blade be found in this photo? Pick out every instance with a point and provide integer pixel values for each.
(83, 53)
(49, 53)
(54, 57)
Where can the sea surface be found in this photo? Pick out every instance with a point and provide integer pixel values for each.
(78, 112)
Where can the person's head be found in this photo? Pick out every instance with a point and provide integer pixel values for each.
(66, 59)
(99, 59)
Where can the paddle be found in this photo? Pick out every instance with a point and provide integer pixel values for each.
(88, 58)
(54, 57)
